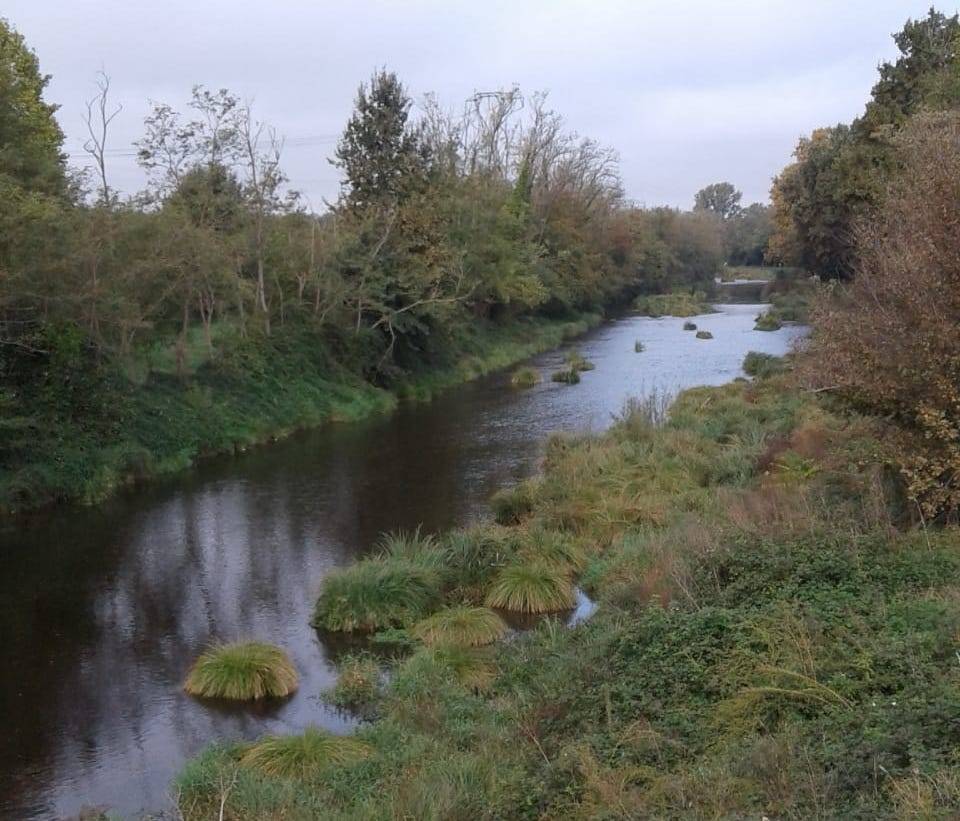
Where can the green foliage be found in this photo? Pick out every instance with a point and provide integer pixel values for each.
(763, 365)
(525, 377)
(358, 682)
(377, 593)
(678, 303)
(461, 624)
(302, 757)
(470, 667)
(768, 321)
(531, 588)
(720, 199)
(242, 671)
(577, 362)
(567, 376)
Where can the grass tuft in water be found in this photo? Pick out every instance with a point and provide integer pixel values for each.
(578, 362)
(303, 757)
(639, 347)
(704, 335)
(358, 682)
(470, 667)
(377, 593)
(462, 624)
(768, 322)
(568, 376)
(531, 588)
(689, 326)
(242, 671)
(525, 377)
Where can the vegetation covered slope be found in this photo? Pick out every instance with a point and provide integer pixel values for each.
(767, 642)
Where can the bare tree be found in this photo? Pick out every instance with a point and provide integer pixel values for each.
(98, 118)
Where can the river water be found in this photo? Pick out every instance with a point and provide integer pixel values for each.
(102, 610)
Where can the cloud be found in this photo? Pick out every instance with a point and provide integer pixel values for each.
(688, 93)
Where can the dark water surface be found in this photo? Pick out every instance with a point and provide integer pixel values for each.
(102, 610)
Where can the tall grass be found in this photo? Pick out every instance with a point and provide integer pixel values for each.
(377, 593)
(531, 588)
(242, 671)
(303, 756)
(578, 362)
(525, 377)
(461, 624)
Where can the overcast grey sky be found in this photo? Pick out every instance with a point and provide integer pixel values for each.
(688, 91)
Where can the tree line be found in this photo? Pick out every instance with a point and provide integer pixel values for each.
(485, 214)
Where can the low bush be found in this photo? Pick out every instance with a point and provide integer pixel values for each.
(242, 671)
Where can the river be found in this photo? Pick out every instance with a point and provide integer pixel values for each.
(103, 609)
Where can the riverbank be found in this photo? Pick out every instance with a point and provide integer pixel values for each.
(84, 428)
(767, 641)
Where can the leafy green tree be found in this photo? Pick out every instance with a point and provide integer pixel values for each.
(720, 198)
(379, 153)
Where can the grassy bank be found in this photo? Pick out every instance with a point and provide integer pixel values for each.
(767, 641)
(79, 429)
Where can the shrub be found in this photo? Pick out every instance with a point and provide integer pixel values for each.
(303, 756)
(461, 624)
(358, 682)
(689, 326)
(243, 671)
(887, 342)
(704, 335)
(568, 376)
(377, 593)
(531, 588)
(525, 377)
(768, 321)
(763, 365)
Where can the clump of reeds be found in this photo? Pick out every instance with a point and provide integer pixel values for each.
(358, 682)
(568, 376)
(704, 335)
(463, 624)
(303, 756)
(377, 593)
(638, 347)
(242, 671)
(531, 588)
(578, 362)
(525, 377)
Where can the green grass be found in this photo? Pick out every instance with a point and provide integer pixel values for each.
(567, 376)
(461, 624)
(511, 504)
(768, 321)
(242, 671)
(531, 588)
(578, 362)
(676, 303)
(358, 682)
(375, 594)
(525, 377)
(91, 427)
(763, 365)
(304, 756)
(768, 641)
